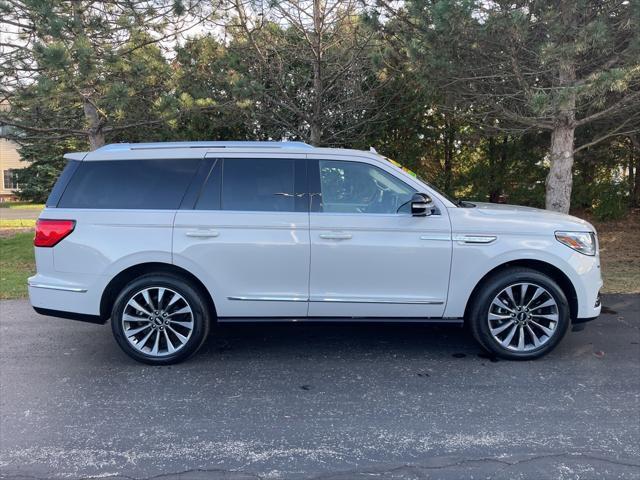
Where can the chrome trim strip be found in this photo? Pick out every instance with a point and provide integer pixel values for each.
(335, 300)
(268, 299)
(375, 300)
(475, 239)
(437, 237)
(440, 320)
(58, 287)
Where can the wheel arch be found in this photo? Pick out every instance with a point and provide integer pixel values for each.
(118, 282)
(541, 266)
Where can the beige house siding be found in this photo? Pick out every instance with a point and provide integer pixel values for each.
(9, 159)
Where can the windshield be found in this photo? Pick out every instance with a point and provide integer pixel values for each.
(456, 202)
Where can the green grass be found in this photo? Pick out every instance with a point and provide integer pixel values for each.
(21, 205)
(17, 223)
(16, 264)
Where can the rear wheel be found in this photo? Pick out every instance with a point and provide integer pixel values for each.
(160, 319)
(519, 314)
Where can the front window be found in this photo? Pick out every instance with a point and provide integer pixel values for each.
(353, 187)
(423, 181)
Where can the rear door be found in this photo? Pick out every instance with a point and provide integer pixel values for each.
(246, 234)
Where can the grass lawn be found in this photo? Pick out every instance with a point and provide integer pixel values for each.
(8, 223)
(619, 253)
(16, 264)
(21, 205)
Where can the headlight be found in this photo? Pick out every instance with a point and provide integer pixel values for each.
(583, 242)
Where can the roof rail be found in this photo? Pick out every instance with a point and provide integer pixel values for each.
(113, 147)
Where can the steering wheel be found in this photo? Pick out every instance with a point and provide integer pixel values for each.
(381, 186)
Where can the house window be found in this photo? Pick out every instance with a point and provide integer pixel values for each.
(10, 179)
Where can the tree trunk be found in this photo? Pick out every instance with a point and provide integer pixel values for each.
(316, 134)
(316, 122)
(632, 174)
(635, 146)
(449, 142)
(636, 189)
(95, 133)
(497, 168)
(560, 180)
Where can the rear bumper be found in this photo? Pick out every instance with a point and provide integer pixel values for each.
(71, 295)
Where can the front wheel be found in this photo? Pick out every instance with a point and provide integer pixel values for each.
(160, 319)
(519, 314)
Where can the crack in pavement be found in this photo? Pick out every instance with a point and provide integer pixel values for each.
(239, 475)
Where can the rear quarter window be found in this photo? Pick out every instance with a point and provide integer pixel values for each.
(62, 182)
(129, 184)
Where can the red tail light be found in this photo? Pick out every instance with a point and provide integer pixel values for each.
(50, 232)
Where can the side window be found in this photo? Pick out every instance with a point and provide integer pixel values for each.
(259, 184)
(209, 198)
(354, 187)
(62, 182)
(129, 184)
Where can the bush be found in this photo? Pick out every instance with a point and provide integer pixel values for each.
(610, 202)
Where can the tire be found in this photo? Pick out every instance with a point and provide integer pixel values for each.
(170, 332)
(519, 314)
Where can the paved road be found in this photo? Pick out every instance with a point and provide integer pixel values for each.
(19, 213)
(319, 401)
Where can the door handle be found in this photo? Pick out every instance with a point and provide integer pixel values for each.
(202, 233)
(336, 236)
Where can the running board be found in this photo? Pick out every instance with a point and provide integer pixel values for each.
(449, 321)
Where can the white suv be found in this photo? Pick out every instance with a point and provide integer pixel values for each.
(167, 238)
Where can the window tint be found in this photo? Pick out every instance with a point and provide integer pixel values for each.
(353, 187)
(129, 184)
(62, 182)
(209, 198)
(264, 185)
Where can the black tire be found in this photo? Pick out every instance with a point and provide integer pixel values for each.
(491, 288)
(199, 317)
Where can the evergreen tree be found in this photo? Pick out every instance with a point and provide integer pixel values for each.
(532, 65)
(87, 69)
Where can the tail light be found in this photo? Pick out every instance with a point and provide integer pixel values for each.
(50, 232)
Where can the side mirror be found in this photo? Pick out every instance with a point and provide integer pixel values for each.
(421, 205)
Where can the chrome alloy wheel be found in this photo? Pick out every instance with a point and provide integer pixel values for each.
(157, 321)
(523, 317)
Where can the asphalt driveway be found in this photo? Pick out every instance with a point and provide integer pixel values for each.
(319, 401)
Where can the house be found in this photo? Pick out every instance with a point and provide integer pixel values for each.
(9, 164)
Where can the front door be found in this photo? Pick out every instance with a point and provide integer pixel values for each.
(247, 236)
(369, 256)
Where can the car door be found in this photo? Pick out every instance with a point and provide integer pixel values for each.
(369, 256)
(246, 233)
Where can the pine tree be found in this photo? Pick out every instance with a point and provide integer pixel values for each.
(87, 69)
(543, 66)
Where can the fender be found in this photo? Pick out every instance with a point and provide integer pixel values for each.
(470, 263)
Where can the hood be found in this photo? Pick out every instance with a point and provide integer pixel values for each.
(492, 216)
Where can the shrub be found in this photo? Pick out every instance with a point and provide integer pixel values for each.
(611, 201)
